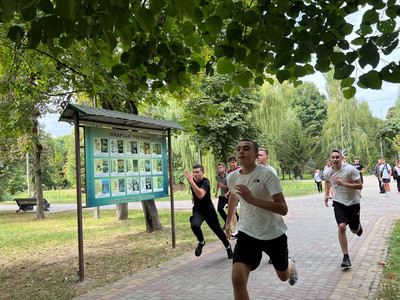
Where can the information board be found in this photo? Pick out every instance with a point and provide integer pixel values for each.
(124, 166)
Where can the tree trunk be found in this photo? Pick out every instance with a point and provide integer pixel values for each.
(37, 151)
(151, 216)
(122, 211)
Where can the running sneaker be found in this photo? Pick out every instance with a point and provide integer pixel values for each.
(199, 248)
(346, 262)
(360, 231)
(293, 278)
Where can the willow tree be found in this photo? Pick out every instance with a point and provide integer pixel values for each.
(348, 126)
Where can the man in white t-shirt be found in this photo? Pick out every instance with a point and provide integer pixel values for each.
(262, 159)
(385, 172)
(345, 181)
(261, 226)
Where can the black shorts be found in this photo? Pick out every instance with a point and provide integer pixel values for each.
(385, 179)
(248, 250)
(347, 214)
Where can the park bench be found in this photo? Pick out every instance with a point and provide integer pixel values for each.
(25, 204)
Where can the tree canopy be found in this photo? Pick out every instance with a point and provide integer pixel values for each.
(159, 44)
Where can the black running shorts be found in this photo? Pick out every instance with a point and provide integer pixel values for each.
(347, 214)
(248, 250)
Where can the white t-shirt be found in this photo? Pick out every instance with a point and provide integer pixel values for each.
(254, 221)
(347, 173)
(385, 168)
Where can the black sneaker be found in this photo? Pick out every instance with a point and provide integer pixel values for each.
(229, 252)
(346, 262)
(360, 231)
(199, 248)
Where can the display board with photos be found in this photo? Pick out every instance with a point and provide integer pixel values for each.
(124, 166)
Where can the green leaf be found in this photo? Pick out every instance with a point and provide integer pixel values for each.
(250, 18)
(299, 71)
(145, 18)
(125, 34)
(227, 87)
(29, 14)
(243, 79)
(347, 82)
(370, 17)
(194, 67)
(351, 56)
(343, 72)
(15, 33)
(337, 58)
(371, 80)
(34, 35)
(184, 6)
(346, 29)
(8, 7)
(46, 6)
(391, 73)
(188, 28)
(118, 70)
(369, 55)
(364, 30)
(235, 91)
(358, 41)
(156, 6)
(218, 51)
(283, 75)
(214, 24)
(323, 65)
(240, 53)
(349, 93)
(225, 66)
(386, 26)
(66, 8)
(51, 26)
(259, 80)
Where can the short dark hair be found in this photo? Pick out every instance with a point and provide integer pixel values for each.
(251, 141)
(263, 149)
(232, 158)
(337, 151)
(199, 166)
(357, 158)
(222, 164)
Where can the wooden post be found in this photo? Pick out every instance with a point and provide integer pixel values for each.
(79, 196)
(171, 188)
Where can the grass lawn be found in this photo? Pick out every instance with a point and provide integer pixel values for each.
(291, 188)
(43, 255)
(390, 282)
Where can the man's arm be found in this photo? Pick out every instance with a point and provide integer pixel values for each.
(278, 205)
(356, 184)
(232, 202)
(327, 192)
(216, 191)
(200, 193)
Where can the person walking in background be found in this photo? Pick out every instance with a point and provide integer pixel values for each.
(378, 176)
(262, 159)
(221, 185)
(385, 174)
(359, 167)
(344, 159)
(345, 180)
(396, 174)
(261, 226)
(204, 210)
(318, 180)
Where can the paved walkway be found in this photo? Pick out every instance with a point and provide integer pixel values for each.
(313, 242)
(312, 234)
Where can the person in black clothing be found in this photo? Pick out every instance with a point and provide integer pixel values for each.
(359, 167)
(204, 210)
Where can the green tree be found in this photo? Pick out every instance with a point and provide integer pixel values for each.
(219, 120)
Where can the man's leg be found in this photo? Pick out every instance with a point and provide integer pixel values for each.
(195, 223)
(213, 223)
(222, 201)
(240, 277)
(343, 238)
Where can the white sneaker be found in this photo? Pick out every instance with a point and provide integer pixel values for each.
(234, 235)
(293, 278)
